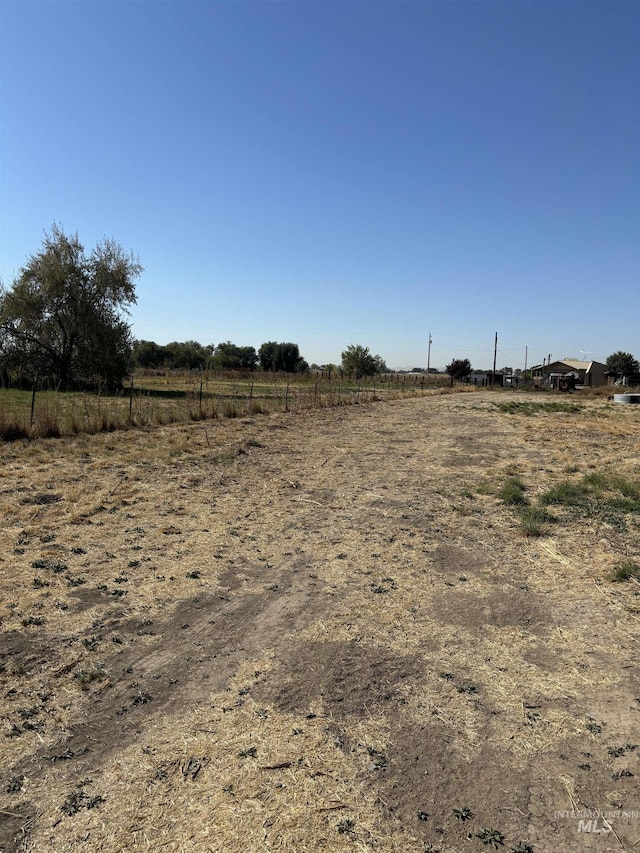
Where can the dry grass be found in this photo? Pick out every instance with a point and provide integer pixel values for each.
(317, 630)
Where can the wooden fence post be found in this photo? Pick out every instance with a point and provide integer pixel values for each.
(33, 403)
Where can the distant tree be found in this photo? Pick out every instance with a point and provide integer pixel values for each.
(148, 354)
(187, 355)
(64, 318)
(622, 363)
(230, 356)
(283, 357)
(459, 368)
(268, 356)
(357, 361)
(381, 365)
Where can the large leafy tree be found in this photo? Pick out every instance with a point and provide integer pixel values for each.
(622, 363)
(64, 318)
(459, 368)
(281, 356)
(228, 355)
(148, 354)
(357, 361)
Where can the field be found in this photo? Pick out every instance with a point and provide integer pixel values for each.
(161, 397)
(411, 625)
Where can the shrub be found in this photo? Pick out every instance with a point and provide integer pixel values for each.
(512, 492)
(626, 571)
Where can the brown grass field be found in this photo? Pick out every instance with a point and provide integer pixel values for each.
(382, 627)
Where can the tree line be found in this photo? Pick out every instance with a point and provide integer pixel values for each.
(192, 355)
(64, 324)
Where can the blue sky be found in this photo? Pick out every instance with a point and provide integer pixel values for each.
(339, 172)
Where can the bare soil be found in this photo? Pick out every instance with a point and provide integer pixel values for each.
(320, 631)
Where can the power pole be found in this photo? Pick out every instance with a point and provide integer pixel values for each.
(495, 355)
(526, 354)
(429, 356)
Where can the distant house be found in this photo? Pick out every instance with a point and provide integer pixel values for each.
(589, 373)
(485, 378)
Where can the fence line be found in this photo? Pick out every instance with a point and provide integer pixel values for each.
(47, 414)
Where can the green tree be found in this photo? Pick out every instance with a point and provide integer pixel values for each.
(187, 355)
(622, 363)
(281, 357)
(148, 354)
(230, 356)
(64, 318)
(357, 361)
(459, 368)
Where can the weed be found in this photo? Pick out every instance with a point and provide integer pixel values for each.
(40, 584)
(522, 847)
(78, 800)
(534, 520)
(512, 492)
(467, 688)
(492, 837)
(423, 815)
(251, 752)
(626, 571)
(141, 698)
(193, 575)
(345, 827)
(27, 713)
(33, 620)
(84, 677)
(15, 784)
(596, 492)
(378, 760)
(518, 407)
(463, 814)
(568, 494)
(55, 566)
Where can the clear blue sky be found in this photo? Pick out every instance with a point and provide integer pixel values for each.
(339, 172)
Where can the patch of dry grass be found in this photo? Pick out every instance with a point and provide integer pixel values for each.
(308, 631)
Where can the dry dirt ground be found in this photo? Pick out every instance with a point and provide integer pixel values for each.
(321, 631)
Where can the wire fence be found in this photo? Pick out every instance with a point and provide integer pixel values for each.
(154, 398)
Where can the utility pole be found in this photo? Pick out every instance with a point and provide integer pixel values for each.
(429, 356)
(526, 354)
(495, 355)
